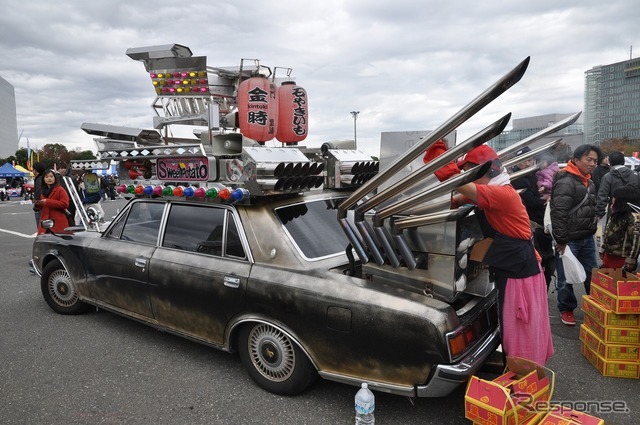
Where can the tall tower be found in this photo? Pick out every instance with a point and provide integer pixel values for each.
(612, 102)
(8, 121)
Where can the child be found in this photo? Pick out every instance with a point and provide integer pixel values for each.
(621, 239)
(549, 166)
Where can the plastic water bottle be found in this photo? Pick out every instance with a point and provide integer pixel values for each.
(365, 405)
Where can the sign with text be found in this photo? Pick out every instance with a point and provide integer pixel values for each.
(184, 169)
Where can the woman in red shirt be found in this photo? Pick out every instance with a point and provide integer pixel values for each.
(53, 202)
(512, 259)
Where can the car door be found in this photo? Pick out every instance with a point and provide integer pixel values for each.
(198, 275)
(121, 257)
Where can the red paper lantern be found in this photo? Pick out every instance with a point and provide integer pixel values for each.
(293, 113)
(258, 109)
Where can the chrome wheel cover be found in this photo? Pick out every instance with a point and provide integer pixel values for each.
(61, 288)
(272, 353)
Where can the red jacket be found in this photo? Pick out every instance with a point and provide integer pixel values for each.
(53, 208)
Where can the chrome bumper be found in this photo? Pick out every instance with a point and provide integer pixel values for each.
(447, 377)
(33, 269)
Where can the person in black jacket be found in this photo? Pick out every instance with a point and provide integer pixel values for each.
(574, 222)
(535, 207)
(600, 171)
(618, 176)
(38, 170)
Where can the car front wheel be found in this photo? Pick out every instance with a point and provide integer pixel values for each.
(59, 291)
(273, 361)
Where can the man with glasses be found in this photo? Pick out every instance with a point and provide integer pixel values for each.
(574, 222)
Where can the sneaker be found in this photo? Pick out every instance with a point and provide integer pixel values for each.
(568, 318)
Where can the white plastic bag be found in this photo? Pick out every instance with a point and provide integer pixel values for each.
(546, 221)
(573, 270)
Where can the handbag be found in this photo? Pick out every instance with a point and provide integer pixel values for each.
(573, 270)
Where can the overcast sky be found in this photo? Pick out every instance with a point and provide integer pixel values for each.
(404, 64)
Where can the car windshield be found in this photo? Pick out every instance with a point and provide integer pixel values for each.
(314, 228)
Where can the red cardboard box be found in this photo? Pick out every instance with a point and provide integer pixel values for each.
(616, 282)
(620, 305)
(611, 368)
(563, 416)
(610, 334)
(507, 399)
(606, 316)
(625, 352)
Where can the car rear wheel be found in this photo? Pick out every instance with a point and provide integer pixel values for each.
(273, 361)
(59, 291)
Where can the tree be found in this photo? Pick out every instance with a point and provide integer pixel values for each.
(54, 153)
(21, 157)
(82, 155)
(617, 145)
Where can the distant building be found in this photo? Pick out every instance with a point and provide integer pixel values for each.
(525, 127)
(8, 121)
(612, 102)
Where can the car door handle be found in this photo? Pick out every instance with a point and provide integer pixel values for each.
(232, 282)
(141, 262)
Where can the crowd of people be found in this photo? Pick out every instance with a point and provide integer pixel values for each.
(525, 255)
(52, 199)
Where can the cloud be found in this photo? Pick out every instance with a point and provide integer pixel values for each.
(405, 65)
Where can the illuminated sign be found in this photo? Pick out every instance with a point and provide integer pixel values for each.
(184, 169)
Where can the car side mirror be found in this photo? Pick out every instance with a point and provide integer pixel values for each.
(48, 225)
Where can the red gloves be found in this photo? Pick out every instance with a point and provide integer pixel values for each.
(447, 171)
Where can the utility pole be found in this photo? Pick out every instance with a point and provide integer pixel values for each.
(354, 114)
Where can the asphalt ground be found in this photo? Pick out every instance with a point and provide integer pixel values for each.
(100, 368)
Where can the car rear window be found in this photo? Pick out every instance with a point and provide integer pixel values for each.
(313, 227)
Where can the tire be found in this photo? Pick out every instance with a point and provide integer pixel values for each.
(59, 291)
(273, 361)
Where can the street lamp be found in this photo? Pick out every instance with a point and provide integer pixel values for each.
(354, 114)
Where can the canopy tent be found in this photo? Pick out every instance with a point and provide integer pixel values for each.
(7, 170)
(24, 170)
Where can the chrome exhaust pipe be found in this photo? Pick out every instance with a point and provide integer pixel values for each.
(431, 192)
(486, 97)
(531, 154)
(477, 139)
(539, 135)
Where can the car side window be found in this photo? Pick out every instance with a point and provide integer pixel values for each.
(234, 244)
(143, 223)
(195, 228)
(202, 229)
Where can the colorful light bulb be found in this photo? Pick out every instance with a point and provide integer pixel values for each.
(178, 191)
(224, 194)
(188, 192)
(121, 188)
(157, 191)
(200, 192)
(168, 191)
(148, 190)
(239, 194)
(139, 189)
(212, 193)
(131, 189)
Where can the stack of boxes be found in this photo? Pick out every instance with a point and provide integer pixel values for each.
(512, 398)
(610, 334)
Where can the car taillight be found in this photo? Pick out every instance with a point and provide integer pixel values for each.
(466, 336)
